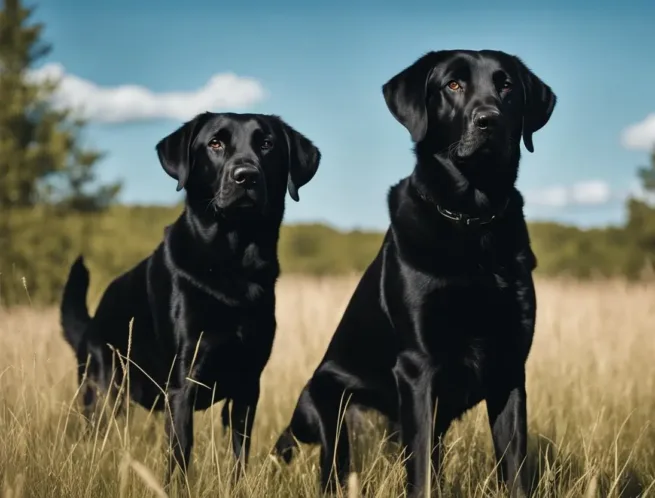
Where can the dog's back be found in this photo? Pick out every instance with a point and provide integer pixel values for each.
(94, 339)
(123, 295)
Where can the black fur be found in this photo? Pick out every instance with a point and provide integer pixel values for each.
(203, 303)
(444, 315)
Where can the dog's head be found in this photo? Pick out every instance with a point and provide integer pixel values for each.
(235, 162)
(470, 104)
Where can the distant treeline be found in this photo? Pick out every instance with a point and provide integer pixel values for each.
(45, 243)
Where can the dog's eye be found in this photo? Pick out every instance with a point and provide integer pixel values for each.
(507, 85)
(267, 144)
(454, 85)
(216, 144)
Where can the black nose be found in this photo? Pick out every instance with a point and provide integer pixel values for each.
(486, 119)
(245, 175)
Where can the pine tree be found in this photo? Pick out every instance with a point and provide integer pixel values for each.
(42, 159)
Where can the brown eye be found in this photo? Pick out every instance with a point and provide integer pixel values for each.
(215, 144)
(454, 86)
(267, 144)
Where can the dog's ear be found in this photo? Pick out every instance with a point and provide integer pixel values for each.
(406, 95)
(539, 102)
(304, 158)
(174, 151)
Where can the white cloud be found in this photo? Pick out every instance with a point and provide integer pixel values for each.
(589, 193)
(640, 136)
(550, 196)
(123, 103)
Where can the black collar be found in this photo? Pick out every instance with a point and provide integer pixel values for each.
(462, 218)
(470, 220)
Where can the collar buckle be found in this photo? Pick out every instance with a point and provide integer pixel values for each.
(467, 220)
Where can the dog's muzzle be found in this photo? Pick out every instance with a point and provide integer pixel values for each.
(243, 186)
(486, 132)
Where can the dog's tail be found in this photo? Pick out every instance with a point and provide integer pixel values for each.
(74, 312)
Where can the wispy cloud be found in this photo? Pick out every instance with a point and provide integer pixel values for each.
(641, 135)
(124, 103)
(588, 193)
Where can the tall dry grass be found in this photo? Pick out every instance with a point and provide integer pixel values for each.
(591, 401)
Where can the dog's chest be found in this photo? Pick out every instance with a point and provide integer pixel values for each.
(468, 334)
(224, 333)
(220, 355)
(235, 276)
(227, 356)
(222, 324)
(467, 322)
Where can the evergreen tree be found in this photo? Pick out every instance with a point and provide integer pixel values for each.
(41, 157)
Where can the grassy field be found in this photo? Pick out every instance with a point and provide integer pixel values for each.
(591, 404)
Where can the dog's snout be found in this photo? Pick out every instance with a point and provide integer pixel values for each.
(245, 175)
(486, 118)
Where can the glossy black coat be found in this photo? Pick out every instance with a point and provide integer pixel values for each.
(444, 316)
(203, 303)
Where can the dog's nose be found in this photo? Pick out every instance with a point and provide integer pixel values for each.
(245, 175)
(487, 118)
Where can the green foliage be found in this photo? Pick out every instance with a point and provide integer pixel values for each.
(318, 249)
(569, 251)
(41, 156)
(45, 171)
(118, 238)
(48, 240)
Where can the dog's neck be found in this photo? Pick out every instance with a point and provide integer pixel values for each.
(231, 234)
(441, 184)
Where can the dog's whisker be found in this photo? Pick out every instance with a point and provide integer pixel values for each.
(452, 148)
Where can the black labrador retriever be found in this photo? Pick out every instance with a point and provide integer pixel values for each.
(203, 303)
(443, 317)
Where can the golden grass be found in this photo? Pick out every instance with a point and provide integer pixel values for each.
(591, 401)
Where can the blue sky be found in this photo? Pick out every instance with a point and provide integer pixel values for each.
(321, 67)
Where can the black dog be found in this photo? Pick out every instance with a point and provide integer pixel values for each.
(445, 313)
(203, 304)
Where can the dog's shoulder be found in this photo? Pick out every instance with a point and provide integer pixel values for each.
(407, 219)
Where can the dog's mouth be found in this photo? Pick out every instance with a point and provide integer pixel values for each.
(239, 200)
(482, 145)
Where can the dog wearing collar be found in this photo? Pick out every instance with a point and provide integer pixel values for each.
(444, 316)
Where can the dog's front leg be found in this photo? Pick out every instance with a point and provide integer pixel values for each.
(179, 428)
(416, 398)
(508, 419)
(244, 407)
